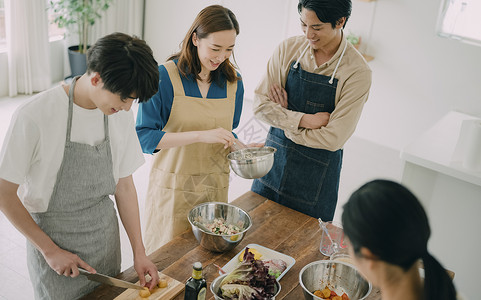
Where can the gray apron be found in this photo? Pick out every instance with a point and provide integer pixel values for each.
(80, 218)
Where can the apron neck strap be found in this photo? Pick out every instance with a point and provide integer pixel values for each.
(70, 107)
(337, 65)
(302, 54)
(231, 88)
(70, 113)
(175, 78)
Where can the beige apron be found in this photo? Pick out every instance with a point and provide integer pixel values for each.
(183, 177)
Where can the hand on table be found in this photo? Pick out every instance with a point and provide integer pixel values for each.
(314, 121)
(66, 263)
(143, 265)
(278, 95)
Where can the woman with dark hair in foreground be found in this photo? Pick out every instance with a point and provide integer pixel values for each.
(389, 231)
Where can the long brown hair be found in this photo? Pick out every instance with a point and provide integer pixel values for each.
(211, 19)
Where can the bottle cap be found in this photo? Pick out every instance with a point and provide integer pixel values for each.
(198, 265)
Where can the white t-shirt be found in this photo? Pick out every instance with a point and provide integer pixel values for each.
(34, 144)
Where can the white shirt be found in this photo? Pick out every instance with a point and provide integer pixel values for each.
(34, 144)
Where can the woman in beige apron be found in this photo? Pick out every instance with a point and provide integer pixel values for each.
(189, 124)
(183, 177)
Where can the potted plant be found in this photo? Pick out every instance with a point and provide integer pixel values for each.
(354, 39)
(78, 16)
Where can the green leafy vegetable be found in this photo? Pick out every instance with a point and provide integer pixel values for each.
(250, 280)
(240, 291)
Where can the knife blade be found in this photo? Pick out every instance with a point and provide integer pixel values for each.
(109, 280)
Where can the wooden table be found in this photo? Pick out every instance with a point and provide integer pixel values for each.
(273, 226)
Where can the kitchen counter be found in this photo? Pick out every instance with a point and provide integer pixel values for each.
(432, 154)
(450, 194)
(274, 226)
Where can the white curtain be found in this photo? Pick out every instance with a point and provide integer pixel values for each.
(122, 16)
(27, 46)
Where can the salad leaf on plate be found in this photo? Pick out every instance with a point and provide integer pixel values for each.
(275, 266)
(253, 274)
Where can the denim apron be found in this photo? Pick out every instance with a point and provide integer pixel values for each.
(303, 178)
(80, 218)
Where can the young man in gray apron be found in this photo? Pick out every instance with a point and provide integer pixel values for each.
(67, 150)
(312, 96)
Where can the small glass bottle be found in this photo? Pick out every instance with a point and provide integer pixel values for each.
(196, 287)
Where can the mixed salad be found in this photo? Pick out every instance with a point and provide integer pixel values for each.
(249, 281)
(219, 226)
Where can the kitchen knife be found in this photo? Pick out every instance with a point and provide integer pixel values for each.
(109, 280)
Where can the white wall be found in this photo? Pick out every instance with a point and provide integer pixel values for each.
(417, 76)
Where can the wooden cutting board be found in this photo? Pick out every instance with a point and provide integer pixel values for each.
(173, 288)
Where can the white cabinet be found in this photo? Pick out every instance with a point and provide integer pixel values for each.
(451, 196)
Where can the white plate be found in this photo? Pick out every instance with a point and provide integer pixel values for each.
(266, 255)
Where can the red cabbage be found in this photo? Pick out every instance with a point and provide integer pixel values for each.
(254, 276)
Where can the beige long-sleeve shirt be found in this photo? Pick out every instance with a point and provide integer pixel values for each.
(354, 82)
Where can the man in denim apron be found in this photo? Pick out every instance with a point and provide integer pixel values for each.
(312, 96)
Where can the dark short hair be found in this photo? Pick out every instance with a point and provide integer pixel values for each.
(211, 19)
(328, 11)
(126, 65)
(386, 218)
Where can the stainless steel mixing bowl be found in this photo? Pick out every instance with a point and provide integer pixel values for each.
(205, 213)
(215, 285)
(336, 275)
(251, 163)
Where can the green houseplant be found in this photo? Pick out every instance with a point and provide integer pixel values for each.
(78, 16)
(354, 39)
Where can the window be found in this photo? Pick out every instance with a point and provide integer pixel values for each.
(460, 20)
(54, 32)
(3, 41)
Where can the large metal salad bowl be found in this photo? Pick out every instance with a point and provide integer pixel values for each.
(205, 213)
(215, 286)
(336, 275)
(251, 163)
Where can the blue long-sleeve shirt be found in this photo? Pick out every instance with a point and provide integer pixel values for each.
(154, 114)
